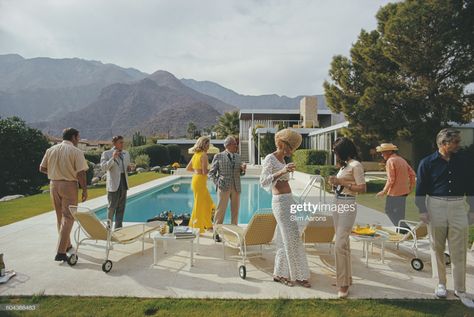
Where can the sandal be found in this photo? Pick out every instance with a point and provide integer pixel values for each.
(283, 281)
(304, 283)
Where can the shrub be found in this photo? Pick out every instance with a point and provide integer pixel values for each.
(93, 156)
(267, 144)
(323, 170)
(174, 152)
(157, 153)
(142, 161)
(90, 172)
(309, 157)
(136, 151)
(22, 151)
(374, 186)
(138, 139)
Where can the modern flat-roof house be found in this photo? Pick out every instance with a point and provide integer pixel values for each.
(311, 116)
(322, 139)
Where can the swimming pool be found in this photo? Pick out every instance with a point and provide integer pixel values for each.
(177, 196)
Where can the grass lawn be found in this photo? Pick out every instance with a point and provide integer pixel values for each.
(411, 212)
(378, 203)
(19, 209)
(124, 306)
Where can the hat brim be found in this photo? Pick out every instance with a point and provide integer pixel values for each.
(384, 149)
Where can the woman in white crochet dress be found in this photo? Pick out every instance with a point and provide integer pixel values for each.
(291, 265)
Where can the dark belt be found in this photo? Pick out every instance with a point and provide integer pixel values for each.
(345, 197)
(448, 198)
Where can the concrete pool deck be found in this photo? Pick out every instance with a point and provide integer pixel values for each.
(29, 249)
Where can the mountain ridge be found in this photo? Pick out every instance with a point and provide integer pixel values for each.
(104, 99)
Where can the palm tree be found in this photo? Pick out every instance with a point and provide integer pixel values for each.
(192, 129)
(228, 124)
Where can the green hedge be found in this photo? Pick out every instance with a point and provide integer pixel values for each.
(174, 153)
(323, 170)
(93, 156)
(309, 157)
(157, 153)
(90, 172)
(374, 186)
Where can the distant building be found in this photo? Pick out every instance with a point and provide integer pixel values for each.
(322, 139)
(94, 145)
(310, 117)
(85, 145)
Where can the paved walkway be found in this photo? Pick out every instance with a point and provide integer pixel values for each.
(29, 248)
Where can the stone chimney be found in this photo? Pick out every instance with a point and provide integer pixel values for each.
(309, 112)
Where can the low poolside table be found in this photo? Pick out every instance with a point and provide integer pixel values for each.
(366, 240)
(171, 236)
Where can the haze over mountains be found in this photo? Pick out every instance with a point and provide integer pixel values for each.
(42, 88)
(104, 99)
(156, 104)
(248, 102)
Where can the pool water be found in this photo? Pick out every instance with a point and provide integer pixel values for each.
(178, 197)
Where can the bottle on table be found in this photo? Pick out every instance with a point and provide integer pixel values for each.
(170, 222)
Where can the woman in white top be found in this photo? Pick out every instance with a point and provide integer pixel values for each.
(291, 264)
(348, 182)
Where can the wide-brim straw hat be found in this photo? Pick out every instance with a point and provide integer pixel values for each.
(386, 147)
(291, 137)
(212, 150)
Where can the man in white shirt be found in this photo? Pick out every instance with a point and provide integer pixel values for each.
(116, 162)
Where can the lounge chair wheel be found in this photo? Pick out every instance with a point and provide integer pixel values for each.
(417, 264)
(242, 271)
(447, 259)
(72, 259)
(107, 266)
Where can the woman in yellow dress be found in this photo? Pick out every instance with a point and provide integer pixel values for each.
(203, 204)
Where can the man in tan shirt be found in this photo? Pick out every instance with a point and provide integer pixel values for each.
(65, 166)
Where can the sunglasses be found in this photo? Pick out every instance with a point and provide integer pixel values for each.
(287, 144)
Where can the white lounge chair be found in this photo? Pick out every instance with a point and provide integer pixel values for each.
(94, 229)
(319, 231)
(259, 231)
(410, 237)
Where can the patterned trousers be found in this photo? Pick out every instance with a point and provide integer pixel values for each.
(290, 258)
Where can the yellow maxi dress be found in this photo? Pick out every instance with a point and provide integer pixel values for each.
(203, 204)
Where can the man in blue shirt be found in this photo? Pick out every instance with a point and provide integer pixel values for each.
(444, 178)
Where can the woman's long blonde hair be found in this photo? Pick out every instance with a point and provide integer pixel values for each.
(201, 144)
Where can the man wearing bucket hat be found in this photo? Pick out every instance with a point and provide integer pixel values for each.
(400, 182)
